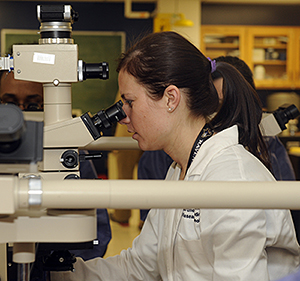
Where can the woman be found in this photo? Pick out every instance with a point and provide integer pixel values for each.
(169, 98)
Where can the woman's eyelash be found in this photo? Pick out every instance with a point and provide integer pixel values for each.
(129, 102)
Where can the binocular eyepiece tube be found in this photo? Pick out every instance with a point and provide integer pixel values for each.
(104, 119)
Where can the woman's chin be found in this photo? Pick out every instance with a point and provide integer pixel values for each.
(143, 145)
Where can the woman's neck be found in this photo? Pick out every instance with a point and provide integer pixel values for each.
(183, 141)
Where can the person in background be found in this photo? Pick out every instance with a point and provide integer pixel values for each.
(26, 95)
(282, 168)
(155, 164)
(172, 105)
(29, 97)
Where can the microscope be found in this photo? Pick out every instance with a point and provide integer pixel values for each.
(39, 203)
(48, 150)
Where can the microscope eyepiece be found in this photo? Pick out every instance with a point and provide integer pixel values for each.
(285, 113)
(291, 112)
(104, 119)
(92, 70)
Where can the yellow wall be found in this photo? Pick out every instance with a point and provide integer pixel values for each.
(192, 11)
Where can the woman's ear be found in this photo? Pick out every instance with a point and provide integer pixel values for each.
(172, 95)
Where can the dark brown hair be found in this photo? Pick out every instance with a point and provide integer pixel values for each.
(241, 106)
(246, 72)
(167, 58)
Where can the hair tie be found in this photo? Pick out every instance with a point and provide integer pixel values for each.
(213, 65)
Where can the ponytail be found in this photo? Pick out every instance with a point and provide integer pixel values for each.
(241, 106)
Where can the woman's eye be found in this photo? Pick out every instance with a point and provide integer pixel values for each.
(129, 102)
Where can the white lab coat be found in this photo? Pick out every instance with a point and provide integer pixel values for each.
(206, 244)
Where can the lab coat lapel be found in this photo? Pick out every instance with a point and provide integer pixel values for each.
(172, 219)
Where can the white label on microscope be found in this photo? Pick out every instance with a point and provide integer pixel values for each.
(43, 58)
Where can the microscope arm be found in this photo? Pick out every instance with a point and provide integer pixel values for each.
(69, 133)
(113, 143)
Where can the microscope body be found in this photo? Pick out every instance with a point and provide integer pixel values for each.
(55, 66)
(54, 63)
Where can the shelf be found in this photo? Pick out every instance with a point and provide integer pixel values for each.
(222, 46)
(272, 84)
(253, 44)
(270, 62)
(264, 46)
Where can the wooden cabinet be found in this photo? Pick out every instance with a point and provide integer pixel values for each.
(273, 69)
(296, 57)
(272, 52)
(223, 41)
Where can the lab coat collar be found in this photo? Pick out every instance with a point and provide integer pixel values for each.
(211, 147)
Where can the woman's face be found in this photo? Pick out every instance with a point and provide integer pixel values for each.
(145, 117)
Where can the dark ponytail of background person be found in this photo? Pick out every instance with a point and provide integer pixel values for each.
(241, 106)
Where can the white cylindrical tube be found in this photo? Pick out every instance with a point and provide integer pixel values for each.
(23, 252)
(57, 103)
(140, 194)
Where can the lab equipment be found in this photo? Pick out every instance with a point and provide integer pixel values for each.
(53, 151)
(36, 205)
